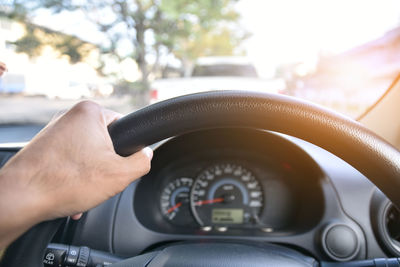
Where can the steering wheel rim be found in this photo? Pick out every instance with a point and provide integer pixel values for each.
(341, 136)
(347, 139)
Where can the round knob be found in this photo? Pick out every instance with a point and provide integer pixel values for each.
(340, 242)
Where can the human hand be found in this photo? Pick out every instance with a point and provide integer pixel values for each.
(68, 168)
(3, 68)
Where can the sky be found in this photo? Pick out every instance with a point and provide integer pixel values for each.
(284, 31)
(287, 31)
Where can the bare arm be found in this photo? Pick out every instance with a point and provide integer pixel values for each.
(68, 168)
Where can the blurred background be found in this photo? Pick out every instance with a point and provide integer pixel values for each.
(128, 54)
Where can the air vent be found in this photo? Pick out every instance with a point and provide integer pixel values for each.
(391, 227)
(385, 219)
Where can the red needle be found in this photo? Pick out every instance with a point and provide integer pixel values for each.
(210, 201)
(174, 207)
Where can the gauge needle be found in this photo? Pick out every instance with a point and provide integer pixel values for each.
(174, 207)
(210, 201)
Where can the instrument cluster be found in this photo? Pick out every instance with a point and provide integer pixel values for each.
(225, 185)
(222, 194)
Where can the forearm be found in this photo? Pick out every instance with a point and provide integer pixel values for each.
(20, 208)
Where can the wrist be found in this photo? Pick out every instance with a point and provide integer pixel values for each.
(20, 206)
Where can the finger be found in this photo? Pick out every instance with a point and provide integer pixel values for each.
(148, 151)
(111, 116)
(138, 164)
(76, 217)
(91, 108)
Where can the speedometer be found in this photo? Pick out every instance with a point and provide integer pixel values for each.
(226, 194)
(174, 201)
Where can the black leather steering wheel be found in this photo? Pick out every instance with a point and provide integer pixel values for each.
(347, 139)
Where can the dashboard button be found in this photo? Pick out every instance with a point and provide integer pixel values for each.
(341, 242)
(72, 256)
(53, 257)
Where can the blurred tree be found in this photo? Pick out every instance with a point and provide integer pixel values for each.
(203, 43)
(190, 29)
(37, 37)
(143, 29)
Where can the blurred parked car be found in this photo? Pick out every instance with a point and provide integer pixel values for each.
(215, 73)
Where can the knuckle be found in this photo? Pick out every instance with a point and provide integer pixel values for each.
(87, 106)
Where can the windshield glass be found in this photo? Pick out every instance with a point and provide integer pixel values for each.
(221, 70)
(129, 54)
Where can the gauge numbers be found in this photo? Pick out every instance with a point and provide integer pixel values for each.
(174, 201)
(226, 194)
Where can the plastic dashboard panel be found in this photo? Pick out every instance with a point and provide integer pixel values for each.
(114, 226)
(342, 187)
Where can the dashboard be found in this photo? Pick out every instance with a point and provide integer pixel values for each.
(242, 185)
(221, 183)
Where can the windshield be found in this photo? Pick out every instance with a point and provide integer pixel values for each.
(129, 54)
(224, 70)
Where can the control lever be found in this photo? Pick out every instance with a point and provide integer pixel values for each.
(61, 255)
(381, 262)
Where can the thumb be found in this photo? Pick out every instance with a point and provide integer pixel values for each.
(139, 164)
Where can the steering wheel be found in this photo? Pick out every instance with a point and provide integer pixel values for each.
(347, 139)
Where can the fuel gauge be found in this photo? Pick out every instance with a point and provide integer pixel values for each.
(175, 203)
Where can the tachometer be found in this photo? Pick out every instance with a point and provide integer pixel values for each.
(174, 201)
(226, 194)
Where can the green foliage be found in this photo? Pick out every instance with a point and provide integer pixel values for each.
(72, 47)
(37, 37)
(193, 29)
(203, 43)
(186, 29)
(29, 43)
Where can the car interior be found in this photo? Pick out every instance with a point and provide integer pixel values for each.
(248, 186)
(238, 178)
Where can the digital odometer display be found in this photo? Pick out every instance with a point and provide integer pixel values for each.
(227, 216)
(226, 194)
